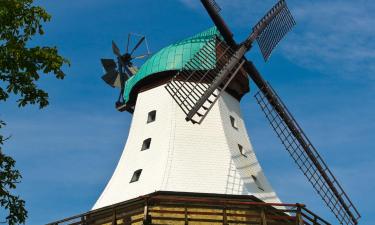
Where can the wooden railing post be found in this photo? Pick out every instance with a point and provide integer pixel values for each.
(315, 222)
(83, 221)
(225, 220)
(146, 217)
(186, 216)
(263, 217)
(299, 219)
(114, 220)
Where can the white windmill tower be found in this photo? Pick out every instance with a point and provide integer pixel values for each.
(163, 152)
(188, 153)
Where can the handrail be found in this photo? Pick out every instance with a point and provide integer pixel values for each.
(283, 212)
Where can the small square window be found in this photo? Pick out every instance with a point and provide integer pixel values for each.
(136, 175)
(233, 122)
(242, 151)
(257, 182)
(146, 144)
(151, 116)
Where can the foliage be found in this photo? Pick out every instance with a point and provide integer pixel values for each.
(21, 66)
(9, 177)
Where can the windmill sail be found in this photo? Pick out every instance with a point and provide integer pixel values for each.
(196, 90)
(306, 156)
(215, 6)
(112, 76)
(268, 32)
(273, 27)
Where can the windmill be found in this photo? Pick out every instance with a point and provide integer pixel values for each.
(118, 73)
(196, 99)
(188, 158)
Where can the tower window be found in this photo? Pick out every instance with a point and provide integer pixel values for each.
(233, 122)
(136, 175)
(257, 182)
(241, 150)
(151, 116)
(146, 144)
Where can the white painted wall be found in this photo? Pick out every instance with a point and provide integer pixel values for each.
(184, 156)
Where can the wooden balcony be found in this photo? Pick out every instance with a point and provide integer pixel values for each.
(196, 209)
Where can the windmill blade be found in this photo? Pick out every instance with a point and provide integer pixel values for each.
(147, 48)
(115, 49)
(141, 56)
(197, 89)
(137, 45)
(211, 7)
(215, 6)
(108, 64)
(128, 43)
(279, 16)
(229, 66)
(306, 156)
(271, 29)
(268, 32)
(132, 70)
(112, 78)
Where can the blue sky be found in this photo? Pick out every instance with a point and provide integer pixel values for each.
(323, 70)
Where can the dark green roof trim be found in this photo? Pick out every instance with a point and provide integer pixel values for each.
(172, 57)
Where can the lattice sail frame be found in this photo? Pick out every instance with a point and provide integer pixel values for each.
(342, 207)
(196, 91)
(272, 28)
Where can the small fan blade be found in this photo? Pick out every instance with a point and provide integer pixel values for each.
(112, 78)
(117, 82)
(115, 49)
(132, 69)
(128, 43)
(137, 45)
(140, 57)
(108, 64)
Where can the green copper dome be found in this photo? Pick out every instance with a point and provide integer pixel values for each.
(172, 57)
